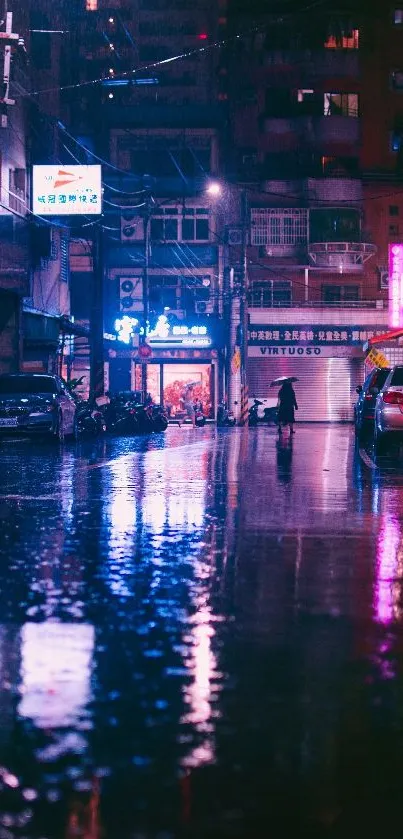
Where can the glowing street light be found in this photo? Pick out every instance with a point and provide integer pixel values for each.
(214, 189)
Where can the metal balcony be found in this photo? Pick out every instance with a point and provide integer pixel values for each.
(345, 257)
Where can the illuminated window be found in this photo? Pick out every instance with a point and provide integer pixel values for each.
(398, 17)
(341, 104)
(91, 5)
(396, 80)
(343, 40)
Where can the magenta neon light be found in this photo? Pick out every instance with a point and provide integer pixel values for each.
(395, 286)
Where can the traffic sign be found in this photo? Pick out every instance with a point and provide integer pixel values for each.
(145, 351)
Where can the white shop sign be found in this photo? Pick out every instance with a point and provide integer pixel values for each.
(286, 350)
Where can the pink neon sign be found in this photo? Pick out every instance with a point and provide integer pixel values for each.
(395, 286)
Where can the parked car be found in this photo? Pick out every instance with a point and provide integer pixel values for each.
(36, 404)
(364, 408)
(388, 424)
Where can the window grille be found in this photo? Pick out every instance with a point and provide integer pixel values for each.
(279, 226)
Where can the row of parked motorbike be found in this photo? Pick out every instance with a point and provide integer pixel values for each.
(125, 414)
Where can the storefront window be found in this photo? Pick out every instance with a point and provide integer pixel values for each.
(179, 376)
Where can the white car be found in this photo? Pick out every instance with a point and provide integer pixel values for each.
(388, 423)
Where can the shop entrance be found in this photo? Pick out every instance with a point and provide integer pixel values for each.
(167, 382)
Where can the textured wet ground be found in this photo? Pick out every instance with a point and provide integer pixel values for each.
(201, 636)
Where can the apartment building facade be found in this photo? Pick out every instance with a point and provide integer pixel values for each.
(317, 151)
(158, 127)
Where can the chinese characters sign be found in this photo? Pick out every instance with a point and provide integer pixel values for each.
(395, 286)
(305, 336)
(66, 190)
(179, 335)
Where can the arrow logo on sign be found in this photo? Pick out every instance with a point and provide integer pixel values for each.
(63, 178)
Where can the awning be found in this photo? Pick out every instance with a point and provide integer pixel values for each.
(392, 335)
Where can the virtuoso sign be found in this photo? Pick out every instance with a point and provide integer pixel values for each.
(395, 286)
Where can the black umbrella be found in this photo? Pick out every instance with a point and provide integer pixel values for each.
(282, 379)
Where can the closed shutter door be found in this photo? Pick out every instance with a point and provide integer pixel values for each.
(325, 389)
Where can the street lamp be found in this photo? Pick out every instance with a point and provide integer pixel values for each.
(214, 189)
(238, 338)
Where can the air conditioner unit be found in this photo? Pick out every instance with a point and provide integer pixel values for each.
(204, 307)
(234, 236)
(130, 294)
(384, 279)
(131, 227)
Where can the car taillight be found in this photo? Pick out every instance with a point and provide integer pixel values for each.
(393, 397)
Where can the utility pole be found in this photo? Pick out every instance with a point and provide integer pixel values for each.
(243, 312)
(8, 38)
(238, 383)
(143, 348)
(97, 386)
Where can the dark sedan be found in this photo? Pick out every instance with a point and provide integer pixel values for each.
(364, 409)
(36, 404)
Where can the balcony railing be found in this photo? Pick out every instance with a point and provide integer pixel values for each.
(256, 302)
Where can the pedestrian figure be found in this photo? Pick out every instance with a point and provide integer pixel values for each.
(188, 405)
(287, 403)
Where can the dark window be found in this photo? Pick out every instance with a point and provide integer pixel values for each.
(393, 210)
(27, 384)
(281, 294)
(270, 293)
(397, 377)
(393, 230)
(340, 293)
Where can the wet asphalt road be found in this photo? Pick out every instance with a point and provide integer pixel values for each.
(201, 636)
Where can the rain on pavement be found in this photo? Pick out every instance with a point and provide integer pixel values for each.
(201, 636)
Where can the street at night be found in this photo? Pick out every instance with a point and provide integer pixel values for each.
(201, 636)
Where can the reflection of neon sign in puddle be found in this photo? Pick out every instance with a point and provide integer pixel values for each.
(55, 672)
(387, 570)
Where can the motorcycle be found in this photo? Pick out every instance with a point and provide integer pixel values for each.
(90, 419)
(159, 418)
(224, 416)
(269, 416)
(121, 415)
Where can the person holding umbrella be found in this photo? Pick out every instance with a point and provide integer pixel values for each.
(287, 402)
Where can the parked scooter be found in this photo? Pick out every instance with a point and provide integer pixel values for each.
(90, 419)
(268, 417)
(254, 413)
(224, 416)
(121, 414)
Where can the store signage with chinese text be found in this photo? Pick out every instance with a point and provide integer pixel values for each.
(66, 190)
(166, 334)
(395, 286)
(260, 335)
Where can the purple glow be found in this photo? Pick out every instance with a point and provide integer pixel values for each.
(388, 545)
(395, 286)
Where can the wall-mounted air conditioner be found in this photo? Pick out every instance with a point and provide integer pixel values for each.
(130, 294)
(131, 227)
(204, 307)
(234, 236)
(383, 279)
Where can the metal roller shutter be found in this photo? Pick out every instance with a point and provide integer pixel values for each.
(325, 390)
